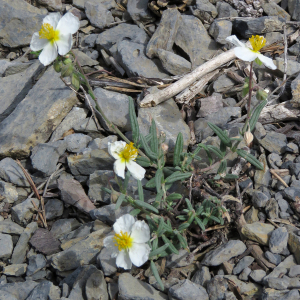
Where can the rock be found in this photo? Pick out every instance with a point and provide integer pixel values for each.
(292, 66)
(247, 27)
(251, 215)
(35, 263)
(187, 290)
(14, 13)
(15, 87)
(109, 213)
(225, 10)
(294, 271)
(217, 287)
(287, 263)
(220, 30)
(110, 38)
(15, 270)
(95, 287)
(273, 258)
(259, 199)
(210, 105)
(84, 59)
(102, 143)
(131, 56)
(83, 252)
(98, 14)
(204, 10)
(8, 192)
(19, 253)
(164, 35)
(6, 246)
(294, 9)
(273, 9)
(245, 274)
(20, 290)
(22, 213)
(44, 157)
(242, 264)
(76, 142)
(44, 291)
(202, 276)
(224, 253)
(248, 289)
(90, 40)
(277, 283)
(116, 108)
(128, 290)
(3, 66)
(10, 227)
(274, 142)
(262, 177)
(295, 169)
(106, 262)
(295, 86)
(75, 116)
(29, 125)
(63, 226)
(52, 5)
(173, 63)
(11, 172)
(183, 259)
(198, 46)
(113, 289)
(168, 119)
(257, 275)
(54, 208)
(258, 232)
(291, 193)
(278, 271)
(223, 83)
(278, 240)
(138, 11)
(294, 245)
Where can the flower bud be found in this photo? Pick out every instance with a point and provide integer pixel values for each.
(67, 70)
(57, 66)
(114, 196)
(67, 61)
(165, 148)
(248, 137)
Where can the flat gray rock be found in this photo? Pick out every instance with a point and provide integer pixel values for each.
(77, 142)
(9, 192)
(278, 240)
(220, 30)
(19, 20)
(10, 227)
(217, 287)
(30, 124)
(54, 208)
(22, 213)
(98, 14)
(14, 88)
(106, 262)
(63, 226)
(6, 246)
(44, 291)
(20, 290)
(138, 11)
(224, 253)
(242, 264)
(274, 142)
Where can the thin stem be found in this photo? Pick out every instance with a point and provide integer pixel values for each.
(250, 90)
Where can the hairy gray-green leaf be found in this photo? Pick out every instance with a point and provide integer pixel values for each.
(250, 158)
(133, 121)
(178, 149)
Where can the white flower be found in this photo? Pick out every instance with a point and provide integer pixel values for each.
(54, 36)
(128, 244)
(247, 54)
(125, 154)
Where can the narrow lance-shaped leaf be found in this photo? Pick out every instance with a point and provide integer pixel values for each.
(147, 149)
(256, 113)
(171, 246)
(220, 133)
(158, 251)
(120, 201)
(156, 275)
(178, 149)
(146, 205)
(177, 176)
(154, 139)
(140, 190)
(250, 158)
(133, 121)
(158, 179)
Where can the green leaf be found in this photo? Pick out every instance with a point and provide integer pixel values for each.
(182, 240)
(147, 149)
(158, 251)
(133, 121)
(135, 212)
(197, 157)
(215, 219)
(159, 196)
(261, 95)
(222, 167)
(250, 158)
(156, 275)
(183, 226)
(75, 81)
(161, 227)
(143, 161)
(231, 177)
(177, 176)
(146, 205)
(159, 176)
(215, 150)
(258, 61)
(151, 183)
(126, 180)
(36, 53)
(140, 190)
(154, 244)
(119, 201)
(106, 190)
(174, 196)
(255, 115)
(154, 139)
(189, 204)
(223, 136)
(182, 218)
(171, 246)
(178, 149)
(67, 70)
(245, 90)
(200, 223)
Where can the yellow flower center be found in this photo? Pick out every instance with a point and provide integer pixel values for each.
(128, 153)
(123, 240)
(48, 32)
(257, 42)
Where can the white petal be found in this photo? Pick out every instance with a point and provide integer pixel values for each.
(49, 54)
(109, 243)
(52, 19)
(68, 24)
(123, 260)
(245, 53)
(115, 148)
(36, 43)
(140, 232)
(124, 224)
(235, 41)
(268, 62)
(136, 170)
(64, 44)
(119, 168)
(139, 254)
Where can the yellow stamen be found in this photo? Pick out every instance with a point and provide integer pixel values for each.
(128, 153)
(48, 32)
(123, 240)
(257, 42)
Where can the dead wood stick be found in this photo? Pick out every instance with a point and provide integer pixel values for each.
(279, 112)
(278, 177)
(180, 85)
